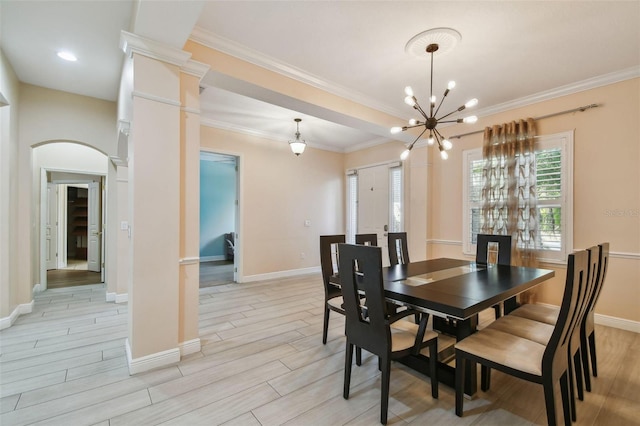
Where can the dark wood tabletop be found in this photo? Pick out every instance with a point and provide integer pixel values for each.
(469, 291)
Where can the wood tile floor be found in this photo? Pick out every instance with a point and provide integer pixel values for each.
(261, 363)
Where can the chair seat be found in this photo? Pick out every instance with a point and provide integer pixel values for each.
(541, 313)
(536, 331)
(505, 349)
(403, 335)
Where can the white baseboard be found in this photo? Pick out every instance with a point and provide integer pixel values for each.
(122, 298)
(609, 321)
(37, 288)
(22, 309)
(212, 258)
(281, 274)
(189, 347)
(149, 362)
(110, 297)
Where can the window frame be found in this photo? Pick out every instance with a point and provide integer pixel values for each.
(562, 140)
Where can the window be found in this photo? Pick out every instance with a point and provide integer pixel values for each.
(395, 196)
(554, 187)
(352, 206)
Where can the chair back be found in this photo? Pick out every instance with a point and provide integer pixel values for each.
(593, 261)
(603, 263)
(554, 360)
(361, 270)
(367, 239)
(329, 258)
(398, 250)
(504, 248)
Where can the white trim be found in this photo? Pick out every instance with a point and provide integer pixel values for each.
(189, 347)
(110, 297)
(281, 274)
(445, 242)
(37, 288)
(25, 308)
(122, 298)
(608, 321)
(229, 47)
(190, 110)
(189, 260)
(212, 258)
(149, 362)
(623, 255)
(155, 98)
(195, 68)
(133, 43)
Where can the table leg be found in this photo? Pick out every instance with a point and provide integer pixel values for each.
(466, 328)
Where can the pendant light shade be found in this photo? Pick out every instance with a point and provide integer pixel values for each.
(297, 145)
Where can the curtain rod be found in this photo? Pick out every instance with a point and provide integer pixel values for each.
(580, 109)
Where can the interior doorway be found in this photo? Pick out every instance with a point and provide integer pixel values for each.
(74, 246)
(219, 212)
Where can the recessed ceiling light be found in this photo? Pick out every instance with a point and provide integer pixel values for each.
(67, 56)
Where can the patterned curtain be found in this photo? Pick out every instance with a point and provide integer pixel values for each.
(509, 204)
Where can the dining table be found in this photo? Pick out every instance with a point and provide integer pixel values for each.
(454, 292)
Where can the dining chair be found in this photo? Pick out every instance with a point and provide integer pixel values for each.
(329, 264)
(587, 329)
(398, 250)
(503, 258)
(367, 239)
(378, 333)
(541, 332)
(544, 364)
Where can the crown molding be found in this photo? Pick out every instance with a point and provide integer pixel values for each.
(132, 43)
(569, 89)
(195, 68)
(229, 47)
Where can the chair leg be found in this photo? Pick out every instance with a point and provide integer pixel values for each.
(572, 395)
(485, 378)
(577, 365)
(384, 394)
(348, 357)
(358, 356)
(460, 361)
(510, 305)
(592, 350)
(549, 401)
(584, 351)
(433, 367)
(325, 328)
(566, 405)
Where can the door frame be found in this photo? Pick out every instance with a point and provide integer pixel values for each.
(42, 285)
(238, 269)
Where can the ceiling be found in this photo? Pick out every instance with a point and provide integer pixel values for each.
(511, 53)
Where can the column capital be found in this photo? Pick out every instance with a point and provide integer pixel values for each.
(133, 43)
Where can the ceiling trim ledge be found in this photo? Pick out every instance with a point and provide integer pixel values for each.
(229, 47)
(131, 43)
(569, 89)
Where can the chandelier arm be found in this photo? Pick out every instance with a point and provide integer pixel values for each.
(446, 92)
(419, 124)
(453, 112)
(416, 140)
(438, 136)
(450, 121)
(431, 88)
(418, 108)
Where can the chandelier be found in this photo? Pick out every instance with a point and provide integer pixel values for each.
(430, 119)
(297, 145)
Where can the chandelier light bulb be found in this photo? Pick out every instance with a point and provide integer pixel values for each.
(451, 85)
(444, 155)
(408, 91)
(446, 143)
(412, 122)
(431, 140)
(470, 120)
(433, 99)
(473, 102)
(396, 129)
(404, 155)
(410, 100)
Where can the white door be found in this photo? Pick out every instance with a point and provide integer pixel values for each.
(51, 227)
(373, 205)
(95, 228)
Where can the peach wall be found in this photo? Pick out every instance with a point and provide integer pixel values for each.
(278, 192)
(606, 188)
